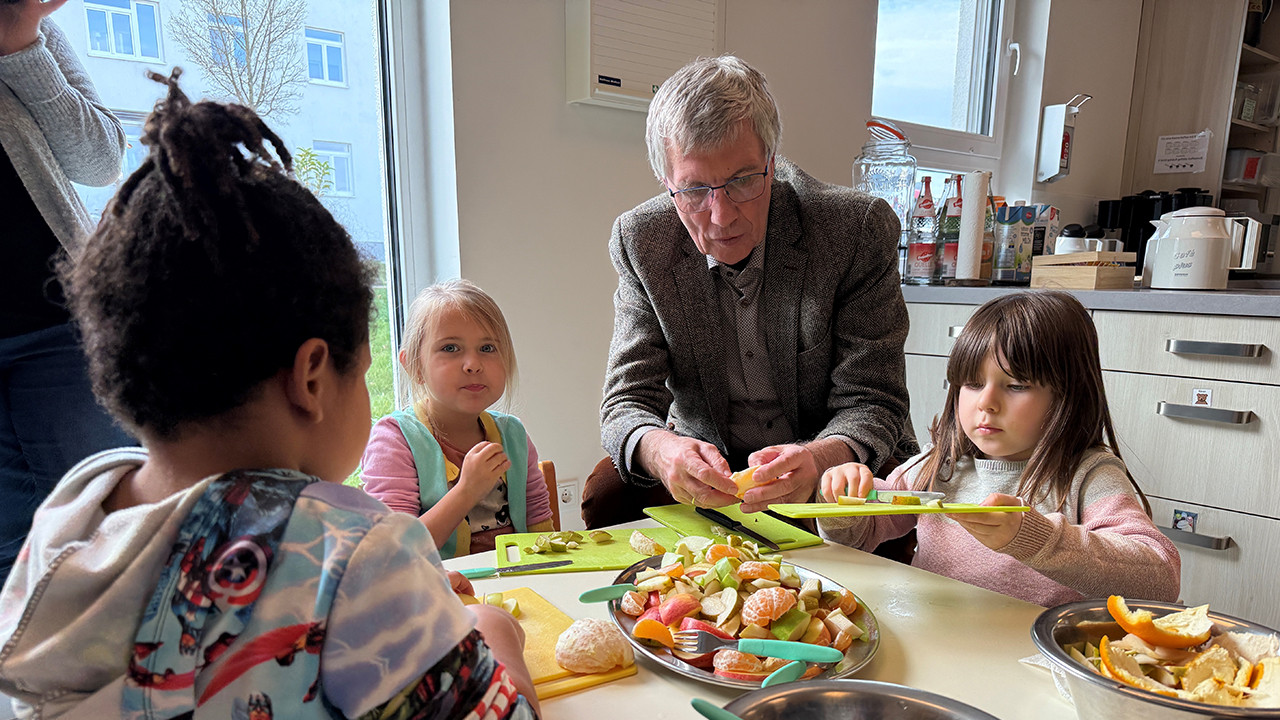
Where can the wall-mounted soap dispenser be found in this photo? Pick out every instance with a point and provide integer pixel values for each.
(1057, 134)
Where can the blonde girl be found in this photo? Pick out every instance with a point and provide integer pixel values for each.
(1026, 422)
(469, 473)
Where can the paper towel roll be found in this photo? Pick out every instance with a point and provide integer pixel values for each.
(973, 211)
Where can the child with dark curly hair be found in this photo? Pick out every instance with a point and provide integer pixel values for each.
(224, 567)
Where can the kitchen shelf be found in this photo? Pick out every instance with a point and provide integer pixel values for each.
(1252, 57)
(1242, 187)
(1255, 127)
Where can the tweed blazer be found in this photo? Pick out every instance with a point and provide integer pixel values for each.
(835, 323)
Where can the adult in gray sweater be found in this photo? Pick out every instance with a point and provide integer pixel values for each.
(758, 319)
(54, 130)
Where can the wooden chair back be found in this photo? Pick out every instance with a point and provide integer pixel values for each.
(548, 469)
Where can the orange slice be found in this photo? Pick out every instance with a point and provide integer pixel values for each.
(756, 570)
(1183, 629)
(649, 629)
(744, 479)
(1118, 665)
(717, 551)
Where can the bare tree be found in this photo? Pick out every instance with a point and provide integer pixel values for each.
(250, 50)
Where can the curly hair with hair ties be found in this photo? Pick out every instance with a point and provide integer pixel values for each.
(211, 266)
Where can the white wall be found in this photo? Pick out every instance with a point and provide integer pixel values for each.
(540, 181)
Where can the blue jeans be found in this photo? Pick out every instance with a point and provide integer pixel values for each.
(49, 421)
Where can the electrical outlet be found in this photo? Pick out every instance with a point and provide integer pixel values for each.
(568, 492)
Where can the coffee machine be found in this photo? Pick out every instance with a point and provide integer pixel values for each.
(1131, 215)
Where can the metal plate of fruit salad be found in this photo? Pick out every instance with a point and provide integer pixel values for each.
(713, 613)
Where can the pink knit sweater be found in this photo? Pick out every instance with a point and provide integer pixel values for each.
(389, 474)
(1101, 544)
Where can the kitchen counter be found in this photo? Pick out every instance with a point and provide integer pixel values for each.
(936, 634)
(1257, 301)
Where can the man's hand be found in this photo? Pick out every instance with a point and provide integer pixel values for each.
(694, 471)
(20, 23)
(997, 529)
(786, 474)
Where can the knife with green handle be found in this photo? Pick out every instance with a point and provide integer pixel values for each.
(484, 572)
(606, 593)
(888, 495)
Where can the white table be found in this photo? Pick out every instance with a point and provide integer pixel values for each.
(936, 634)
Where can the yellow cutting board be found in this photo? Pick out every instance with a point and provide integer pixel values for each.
(543, 623)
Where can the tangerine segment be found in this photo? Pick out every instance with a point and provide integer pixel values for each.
(765, 606)
(1118, 665)
(756, 570)
(734, 661)
(650, 629)
(744, 479)
(719, 550)
(1183, 629)
(848, 603)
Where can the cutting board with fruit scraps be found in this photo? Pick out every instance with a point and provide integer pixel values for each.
(543, 623)
(589, 555)
(815, 510)
(685, 520)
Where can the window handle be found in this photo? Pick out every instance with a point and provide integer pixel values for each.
(1015, 50)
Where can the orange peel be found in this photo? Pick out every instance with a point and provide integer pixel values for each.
(1119, 665)
(1183, 629)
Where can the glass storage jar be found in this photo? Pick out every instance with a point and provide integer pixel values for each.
(887, 170)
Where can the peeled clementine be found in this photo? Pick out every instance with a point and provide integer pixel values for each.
(744, 479)
(719, 550)
(1183, 629)
(765, 606)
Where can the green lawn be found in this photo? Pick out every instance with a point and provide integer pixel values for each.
(382, 395)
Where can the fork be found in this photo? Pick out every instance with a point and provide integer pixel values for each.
(700, 641)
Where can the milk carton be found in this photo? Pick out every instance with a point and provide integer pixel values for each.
(1015, 235)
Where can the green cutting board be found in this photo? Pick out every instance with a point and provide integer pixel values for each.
(686, 521)
(816, 510)
(589, 556)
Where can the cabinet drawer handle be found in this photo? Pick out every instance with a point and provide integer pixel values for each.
(1193, 412)
(1190, 538)
(1222, 349)
(954, 331)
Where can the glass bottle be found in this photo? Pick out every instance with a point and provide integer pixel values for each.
(887, 170)
(921, 257)
(948, 233)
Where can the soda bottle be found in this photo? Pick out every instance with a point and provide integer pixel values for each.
(949, 233)
(921, 257)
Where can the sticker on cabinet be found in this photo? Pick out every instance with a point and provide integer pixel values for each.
(1202, 397)
(1184, 520)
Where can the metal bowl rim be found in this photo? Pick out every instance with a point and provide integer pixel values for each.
(707, 676)
(1054, 617)
(874, 687)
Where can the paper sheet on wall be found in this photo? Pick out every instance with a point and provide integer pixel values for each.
(1182, 153)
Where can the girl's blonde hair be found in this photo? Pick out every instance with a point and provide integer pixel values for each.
(1048, 338)
(428, 307)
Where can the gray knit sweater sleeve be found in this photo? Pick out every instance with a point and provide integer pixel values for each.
(49, 80)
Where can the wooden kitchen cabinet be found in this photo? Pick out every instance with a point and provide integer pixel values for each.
(1218, 464)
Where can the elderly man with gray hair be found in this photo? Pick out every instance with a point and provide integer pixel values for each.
(758, 318)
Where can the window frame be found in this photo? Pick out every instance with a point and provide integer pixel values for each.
(341, 44)
(132, 13)
(219, 21)
(956, 150)
(130, 119)
(329, 156)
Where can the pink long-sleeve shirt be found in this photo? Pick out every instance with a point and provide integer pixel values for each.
(390, 475)
(1102, 542)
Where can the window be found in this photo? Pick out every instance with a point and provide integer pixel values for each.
(324, 57)
(135, 152)
(338, 155)
(226, 37)
(940, 74)
(123, 28)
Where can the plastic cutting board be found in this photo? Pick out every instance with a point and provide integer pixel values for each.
(685, 520)
(615, 555)
(543, 623)
(814, 510)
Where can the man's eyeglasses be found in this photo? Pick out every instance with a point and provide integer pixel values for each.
(740, 189)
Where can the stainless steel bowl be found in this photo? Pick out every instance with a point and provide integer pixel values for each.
(858, 654)
(849, 700)
(1100, 698)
